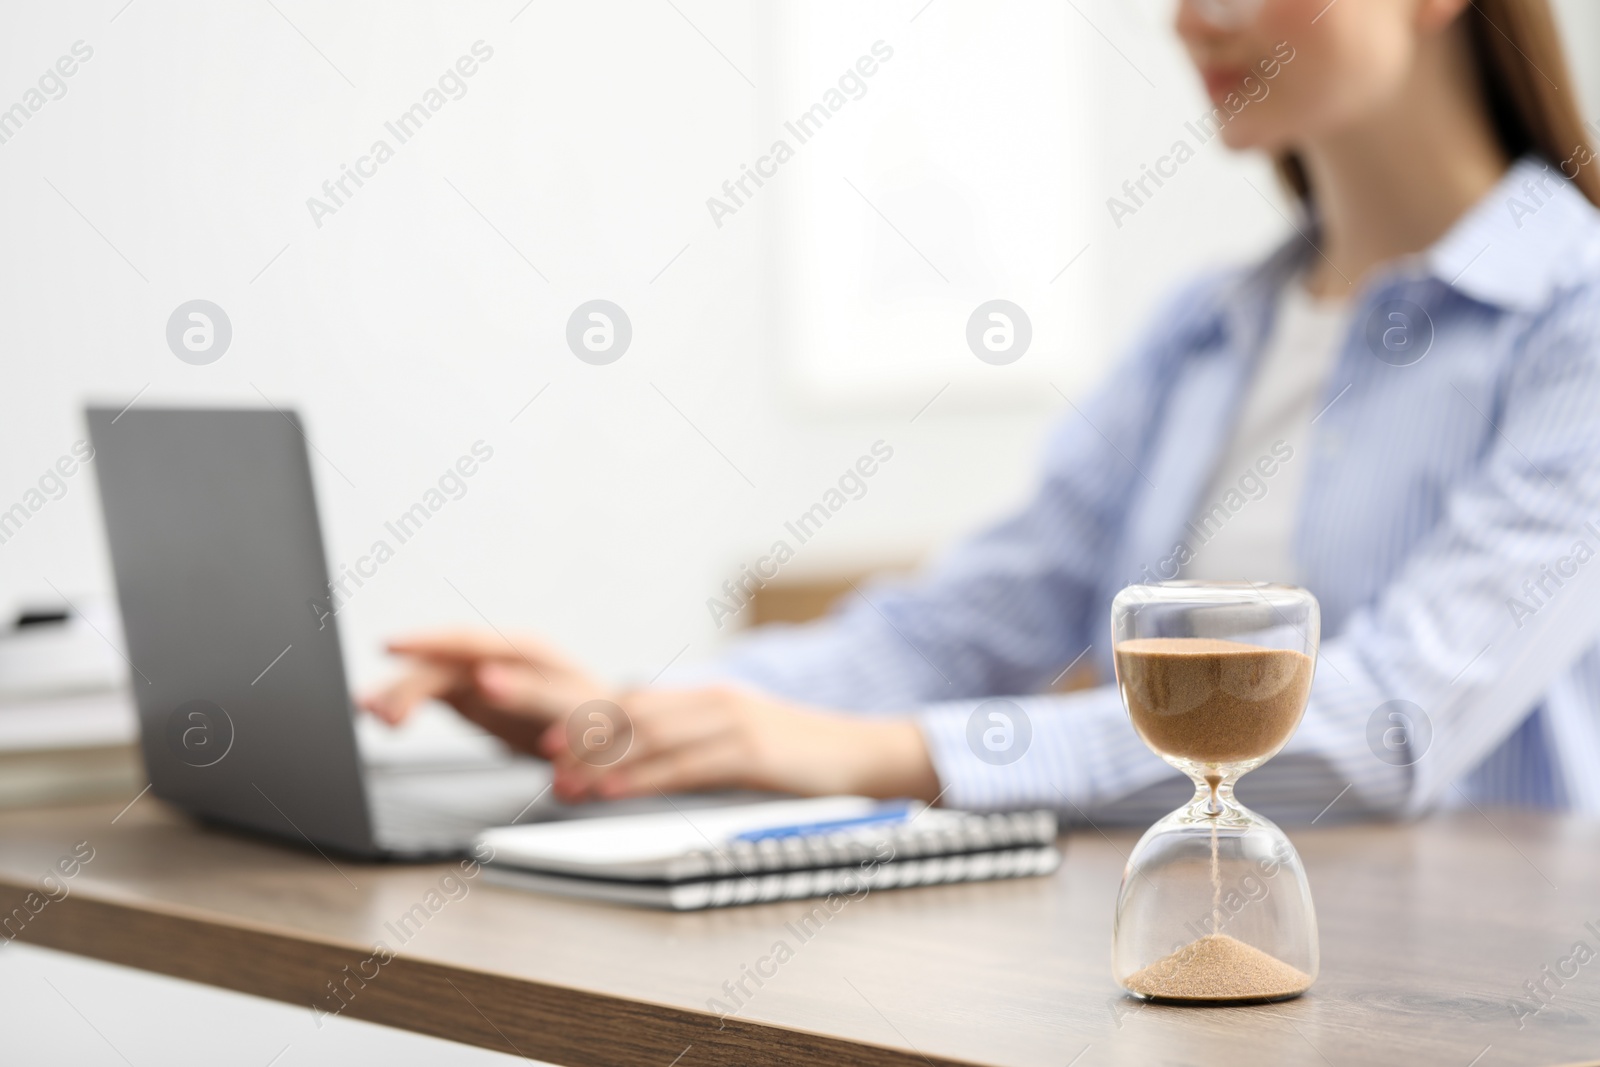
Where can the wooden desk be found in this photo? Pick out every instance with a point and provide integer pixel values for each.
(1428, 932)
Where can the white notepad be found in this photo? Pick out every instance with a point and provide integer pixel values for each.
(778, 850)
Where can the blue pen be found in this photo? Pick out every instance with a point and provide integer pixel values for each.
(896, 812)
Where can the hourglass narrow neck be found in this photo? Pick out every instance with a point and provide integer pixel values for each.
(1213, 797)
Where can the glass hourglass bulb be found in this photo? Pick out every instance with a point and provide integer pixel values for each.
(1214, 904)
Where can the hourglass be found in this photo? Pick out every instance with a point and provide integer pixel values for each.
(1214, 904)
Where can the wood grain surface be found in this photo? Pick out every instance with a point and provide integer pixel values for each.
(1429, 933)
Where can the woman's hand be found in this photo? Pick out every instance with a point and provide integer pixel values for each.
(607, 745)
(514, 687)
(724, 737)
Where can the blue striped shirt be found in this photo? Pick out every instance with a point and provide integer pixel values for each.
(1448, 526)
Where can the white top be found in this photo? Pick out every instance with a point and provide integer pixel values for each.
(1244, 525)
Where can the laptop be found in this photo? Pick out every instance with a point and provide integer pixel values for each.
(245, 715)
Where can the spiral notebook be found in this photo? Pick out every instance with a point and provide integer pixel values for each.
(778, 850)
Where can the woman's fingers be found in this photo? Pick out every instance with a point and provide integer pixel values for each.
(422, 681)
(508, 686)
(716, 764)
(516, 687)
(511, 686)
(518, 729)
(667, 719)
(643, 727)
(642, 722)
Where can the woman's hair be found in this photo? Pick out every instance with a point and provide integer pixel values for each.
(1527, 86)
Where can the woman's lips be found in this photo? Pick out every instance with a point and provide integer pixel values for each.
(1220, 81)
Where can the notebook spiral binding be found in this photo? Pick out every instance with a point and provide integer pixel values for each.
(901, 841)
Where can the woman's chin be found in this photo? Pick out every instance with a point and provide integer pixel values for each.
(1242, 137)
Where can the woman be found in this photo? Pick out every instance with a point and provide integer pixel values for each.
(1399, 409)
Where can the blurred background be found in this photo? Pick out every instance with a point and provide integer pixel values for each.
(777, 333)
(771, 346)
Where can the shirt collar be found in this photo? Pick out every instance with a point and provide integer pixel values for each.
(1531, 236)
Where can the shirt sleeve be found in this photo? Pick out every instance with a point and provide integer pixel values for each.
(1418, 688)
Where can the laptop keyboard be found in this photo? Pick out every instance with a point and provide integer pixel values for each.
(442, 810)
(405, 827)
